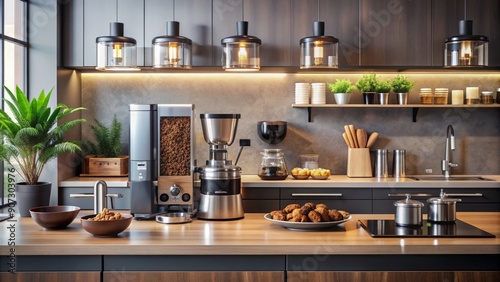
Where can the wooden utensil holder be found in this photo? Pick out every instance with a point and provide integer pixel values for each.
(358, 162)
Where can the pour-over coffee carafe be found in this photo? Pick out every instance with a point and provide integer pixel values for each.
(220, 197)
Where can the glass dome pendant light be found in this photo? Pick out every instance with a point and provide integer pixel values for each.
(116, 52)
(466, 49)
(172, 50)
(319, 50)
(241, 52)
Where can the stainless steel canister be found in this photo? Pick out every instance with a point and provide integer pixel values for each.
(442, 209)
(399, 164)
(381, 163)
(408, 212)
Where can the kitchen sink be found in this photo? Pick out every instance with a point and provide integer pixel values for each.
(451, 178)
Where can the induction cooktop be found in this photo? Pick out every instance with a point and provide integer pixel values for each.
(388, 228)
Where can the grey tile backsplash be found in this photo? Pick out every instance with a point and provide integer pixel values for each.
(268, 96)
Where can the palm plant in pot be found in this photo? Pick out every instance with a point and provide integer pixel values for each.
(383, 89)
(402, 86)
(341, 89)
(31, 137)
(367, 85)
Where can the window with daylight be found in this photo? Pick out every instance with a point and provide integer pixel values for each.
(13, 59)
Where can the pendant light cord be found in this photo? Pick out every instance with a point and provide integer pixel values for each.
(173, 10)
(243, 10)
(465, 9)
(318, 10)
(116, 14)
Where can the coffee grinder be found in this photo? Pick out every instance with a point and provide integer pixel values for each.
(220, 197)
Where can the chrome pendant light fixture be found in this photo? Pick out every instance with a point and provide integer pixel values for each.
(241, 52)
(319, 50)
(116, 52)
(172, 50)
(466, 49)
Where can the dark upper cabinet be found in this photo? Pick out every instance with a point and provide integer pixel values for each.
(72, 33)
(395, 33)
(98, 14)
(340, 18)
(195, 23)
(485, 15)
(267, 20)
(371, 32)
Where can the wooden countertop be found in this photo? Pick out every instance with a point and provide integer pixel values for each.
(341, 181)
(252, 235)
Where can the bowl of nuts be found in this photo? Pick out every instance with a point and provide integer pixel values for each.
(106, 223)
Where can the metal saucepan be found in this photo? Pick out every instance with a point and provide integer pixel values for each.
(408, 211)
(442, 208)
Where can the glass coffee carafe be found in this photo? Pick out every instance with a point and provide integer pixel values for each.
(272, 166)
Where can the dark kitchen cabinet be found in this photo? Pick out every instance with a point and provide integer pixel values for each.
(428, 276)
(88, 203)
(395, 33)
(195, 23)
(267, 20)
(473, 199)
(340, 18)
(73, 36)
(206, 276)
(353, 200)
(446, 14)
(260, 200)
(84, 21)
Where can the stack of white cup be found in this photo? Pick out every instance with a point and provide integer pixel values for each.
(318, 93)
(302, 93)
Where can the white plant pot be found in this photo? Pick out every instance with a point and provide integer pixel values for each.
(342, 98)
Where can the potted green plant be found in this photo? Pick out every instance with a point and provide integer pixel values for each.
(341, 89)
(367, 85)
(402, 86)
(103, 154)
(383, 88)
(32, 137)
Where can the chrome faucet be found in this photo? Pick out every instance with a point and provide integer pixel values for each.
(446, 164)
(100, 196)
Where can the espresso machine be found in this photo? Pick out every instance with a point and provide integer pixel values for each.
(220, 197)
(161, 168)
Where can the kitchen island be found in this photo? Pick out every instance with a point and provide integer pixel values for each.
(244, 248)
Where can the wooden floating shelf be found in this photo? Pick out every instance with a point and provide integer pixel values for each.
(415, 107)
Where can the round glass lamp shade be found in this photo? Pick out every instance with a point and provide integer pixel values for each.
(172, 50)
(319, 51)
(466, 49)
(241, 52)
(116, 52)
(466, 53)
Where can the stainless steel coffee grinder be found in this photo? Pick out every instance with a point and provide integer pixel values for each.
(220, 197)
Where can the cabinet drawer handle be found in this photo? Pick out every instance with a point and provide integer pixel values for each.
(465, 195)
(316, 195)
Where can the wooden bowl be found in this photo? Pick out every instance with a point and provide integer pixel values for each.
(54, 217)
(318, 177)
(105, 228)
(300, 177)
